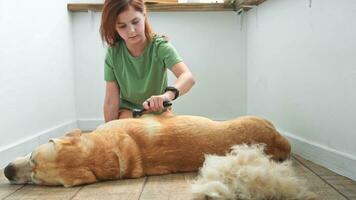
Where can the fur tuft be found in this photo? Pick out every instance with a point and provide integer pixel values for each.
(248, 173)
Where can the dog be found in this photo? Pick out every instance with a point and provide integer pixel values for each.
(150, 145)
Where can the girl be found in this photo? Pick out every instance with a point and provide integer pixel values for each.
(136, 62)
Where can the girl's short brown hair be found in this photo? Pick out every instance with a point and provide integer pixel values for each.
(111, 9)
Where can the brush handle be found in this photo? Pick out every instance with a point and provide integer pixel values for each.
(138, 112)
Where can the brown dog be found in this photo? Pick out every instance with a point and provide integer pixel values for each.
(132, 148)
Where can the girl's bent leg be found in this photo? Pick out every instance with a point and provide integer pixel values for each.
(125, 113)
(168, 112)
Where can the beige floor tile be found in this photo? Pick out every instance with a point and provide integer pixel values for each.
(315, 184)
(128, 189)
(172, 186)
(5, 188)
(36, 192)
(342, 184)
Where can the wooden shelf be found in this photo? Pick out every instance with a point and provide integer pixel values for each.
(84, 7)
(172, 7)
(157, 7)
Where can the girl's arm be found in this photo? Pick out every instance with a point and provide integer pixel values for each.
(112, 101)
(185, 81)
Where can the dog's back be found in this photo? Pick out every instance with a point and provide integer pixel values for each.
(178, 144)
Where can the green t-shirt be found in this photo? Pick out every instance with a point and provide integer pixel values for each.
(140, 77)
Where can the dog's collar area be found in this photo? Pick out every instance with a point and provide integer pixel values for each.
(33, 179)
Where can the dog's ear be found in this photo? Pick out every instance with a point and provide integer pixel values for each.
(74, 133)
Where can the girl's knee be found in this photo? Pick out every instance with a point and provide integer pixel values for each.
(168, 112)
(125, 113)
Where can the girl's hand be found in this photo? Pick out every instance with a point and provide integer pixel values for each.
(156, 102)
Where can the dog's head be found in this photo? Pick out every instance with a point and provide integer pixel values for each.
(25, 169)
(49, 163)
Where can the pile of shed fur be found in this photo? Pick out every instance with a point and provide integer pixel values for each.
(248, 173)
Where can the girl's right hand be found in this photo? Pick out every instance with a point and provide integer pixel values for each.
(154, 103)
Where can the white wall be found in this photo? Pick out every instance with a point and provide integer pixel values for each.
(36, 74)
(210, 43)
(302, 75)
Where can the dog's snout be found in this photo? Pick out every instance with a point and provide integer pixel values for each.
(10, 171)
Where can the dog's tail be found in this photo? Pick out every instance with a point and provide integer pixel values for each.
(282, 148)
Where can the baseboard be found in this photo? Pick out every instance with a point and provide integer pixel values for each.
(339, 162)
(27, 145)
